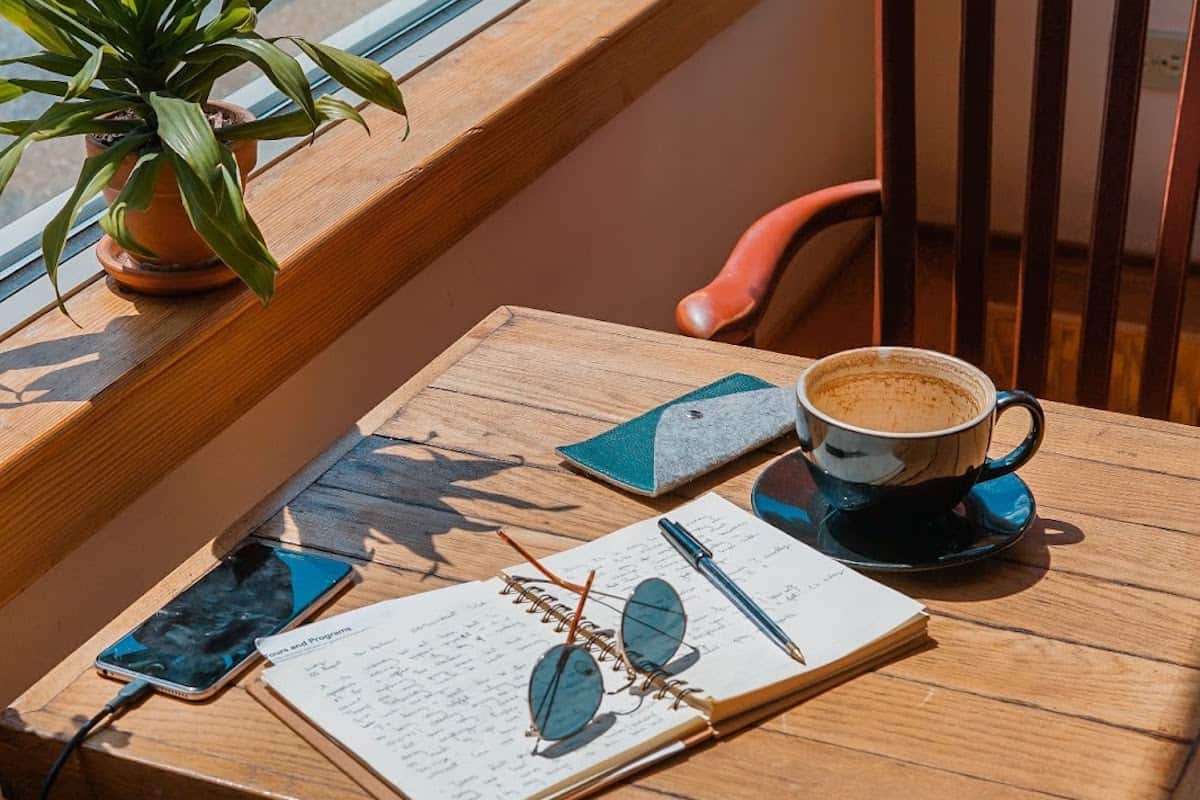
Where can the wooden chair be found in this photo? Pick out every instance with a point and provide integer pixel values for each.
(731, 306)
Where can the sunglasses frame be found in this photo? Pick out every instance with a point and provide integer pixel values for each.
(622, 660)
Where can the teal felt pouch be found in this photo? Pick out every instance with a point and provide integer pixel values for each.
(688, 437)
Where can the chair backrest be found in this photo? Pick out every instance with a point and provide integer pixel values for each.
(896, 163)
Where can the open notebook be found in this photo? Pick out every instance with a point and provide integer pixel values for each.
(427, 695)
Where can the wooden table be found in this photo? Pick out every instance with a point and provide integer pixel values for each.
(1069, 667)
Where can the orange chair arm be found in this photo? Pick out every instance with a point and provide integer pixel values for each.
(730, 307)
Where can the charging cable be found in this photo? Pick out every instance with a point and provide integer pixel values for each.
(130, 693)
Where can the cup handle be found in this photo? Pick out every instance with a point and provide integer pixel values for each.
(995, 467)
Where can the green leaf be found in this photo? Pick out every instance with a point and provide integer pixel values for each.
(11, 157)
(18, 127)
(212, 195)
(96, 173)
(362, 76)
(150, 13)
(279, 126)
(219, 215)
(51, 62)
(184, 129)
(9, 91)
(81, 81)
(105, 28)
(62, 116)
(65, 22)
(292, 124)
(115, 10)
(59, 119)
(57, 89)
(184, 19)
(38, 28)
(135, 195)
(116, 74)
(195, 81)
(238, 18)
(235, 17)
(148, 17)
(279, 67)
(331, 107)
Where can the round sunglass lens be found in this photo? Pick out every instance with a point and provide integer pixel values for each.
(565, 691)
(653, 624)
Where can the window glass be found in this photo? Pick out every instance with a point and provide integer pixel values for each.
(46, 167)
(50, 168)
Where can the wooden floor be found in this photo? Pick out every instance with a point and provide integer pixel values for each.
(841, 318)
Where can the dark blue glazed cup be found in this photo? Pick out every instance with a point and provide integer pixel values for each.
(902, 432)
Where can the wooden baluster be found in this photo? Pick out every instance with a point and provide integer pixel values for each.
(1041, 194)
(1098, 325)
(968, 320)
(1174, 242)
(896, 162)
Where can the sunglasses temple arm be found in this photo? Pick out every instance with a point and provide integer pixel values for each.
(574, 587)
(578, 615)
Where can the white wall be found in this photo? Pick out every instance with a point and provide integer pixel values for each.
(937, 110)
(642, 212)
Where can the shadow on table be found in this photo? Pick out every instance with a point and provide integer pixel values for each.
(1015, 571)
(403, 493)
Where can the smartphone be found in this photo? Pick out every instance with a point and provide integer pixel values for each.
(205, 635)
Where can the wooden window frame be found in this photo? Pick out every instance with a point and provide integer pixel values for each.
(163, 377)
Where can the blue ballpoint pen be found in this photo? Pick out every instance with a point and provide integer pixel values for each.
(700, 557)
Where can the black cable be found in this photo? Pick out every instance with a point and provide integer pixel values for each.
(130, 693)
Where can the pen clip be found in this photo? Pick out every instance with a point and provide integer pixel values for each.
(684, 542)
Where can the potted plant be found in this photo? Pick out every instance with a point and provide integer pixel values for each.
(135, 77)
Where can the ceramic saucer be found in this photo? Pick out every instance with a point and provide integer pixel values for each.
(991, 519)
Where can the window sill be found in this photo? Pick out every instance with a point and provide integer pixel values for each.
(103, 411)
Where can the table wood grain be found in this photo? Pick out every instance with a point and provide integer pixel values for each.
(1067, 667)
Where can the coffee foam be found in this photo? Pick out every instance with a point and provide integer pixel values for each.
(897, 391)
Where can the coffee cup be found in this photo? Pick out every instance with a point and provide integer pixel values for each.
(904, 432)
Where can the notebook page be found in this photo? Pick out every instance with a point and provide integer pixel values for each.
(436, 702)
(332, 631)
(828, 609)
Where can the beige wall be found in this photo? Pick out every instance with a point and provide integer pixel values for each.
(639, 214)
(937, 108)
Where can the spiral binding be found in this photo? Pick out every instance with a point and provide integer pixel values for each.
(601, 642)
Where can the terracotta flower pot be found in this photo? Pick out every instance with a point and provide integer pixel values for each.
(184, 262)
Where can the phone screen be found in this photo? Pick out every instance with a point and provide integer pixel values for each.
(209, 629)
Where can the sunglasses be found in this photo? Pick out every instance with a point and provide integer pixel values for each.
(566, 686)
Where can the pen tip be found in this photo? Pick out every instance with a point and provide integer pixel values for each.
(795, 653)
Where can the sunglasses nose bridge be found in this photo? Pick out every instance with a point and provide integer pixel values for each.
(565, 692)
